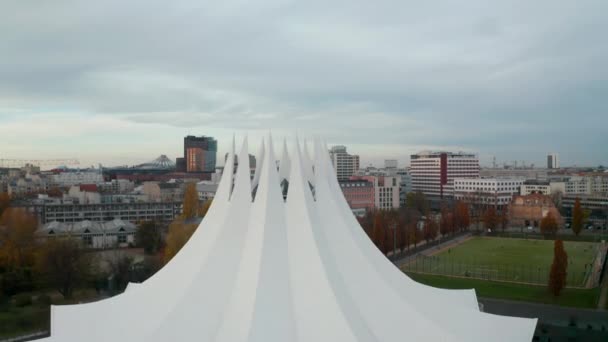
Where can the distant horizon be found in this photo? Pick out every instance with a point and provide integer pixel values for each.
(366, 160)
(511, 80)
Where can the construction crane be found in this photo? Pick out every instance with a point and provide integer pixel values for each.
(37, 162)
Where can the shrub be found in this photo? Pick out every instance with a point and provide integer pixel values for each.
(22, 300)
(43, 300)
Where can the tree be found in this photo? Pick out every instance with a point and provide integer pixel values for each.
(447, 221)
(548, 225)
(119, 264)
(203, 208)
(65, 264)
(462, 219)
(406, 219)
(504, 219)
(179, 234)
(414, 233)
(557, 276)
(17, 238)
(191, 204)
(379, 231)
(55, 192)
(5, 202)
(417, 200)
(577, 217)
(490, 218)
(430, 230)
(148, 237)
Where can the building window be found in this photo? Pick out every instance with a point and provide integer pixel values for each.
(87, 240)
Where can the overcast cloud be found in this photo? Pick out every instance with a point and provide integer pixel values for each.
(123, 81)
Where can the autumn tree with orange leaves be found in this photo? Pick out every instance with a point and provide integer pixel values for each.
(557, 276)
(462, 218)
(430, 230)
(490, 218)
(5, 202)
(548, 225)
(17, 238)
(191, 203)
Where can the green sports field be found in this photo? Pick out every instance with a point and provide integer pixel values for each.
(503, 259)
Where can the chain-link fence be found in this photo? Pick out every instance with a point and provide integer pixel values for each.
(475, 269)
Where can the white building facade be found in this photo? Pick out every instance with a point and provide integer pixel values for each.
(344, 164)
(387, 192)
(542, 187)
(433, 173)
(116, 233)
(487, 191)
(589, 184)
(77, 177)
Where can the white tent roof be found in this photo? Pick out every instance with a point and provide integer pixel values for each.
(274, 270)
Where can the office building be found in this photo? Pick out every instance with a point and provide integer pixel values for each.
(497, 192)
(344, 164)
(433, 173)
(543, 187)
(386, 190)
(359, 194)
(587, 184)
(200, 155)
(132, 212)
(552, 161)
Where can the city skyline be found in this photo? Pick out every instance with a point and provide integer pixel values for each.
(515, 81)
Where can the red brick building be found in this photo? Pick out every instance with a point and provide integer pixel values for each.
(358, 193)
(529, 210)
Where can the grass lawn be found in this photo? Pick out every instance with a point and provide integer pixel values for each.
(513, 259)
(581, 298)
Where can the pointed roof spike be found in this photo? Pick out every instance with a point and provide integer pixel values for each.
(258, 166)
(307, 165)
(299, 190)
(242, 182)
(224, 188)
(268, 186)
(284, 164)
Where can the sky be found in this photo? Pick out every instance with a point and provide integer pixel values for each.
(121, 82)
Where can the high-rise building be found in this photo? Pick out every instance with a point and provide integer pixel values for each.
(433, 173)
(344, 164)
(199, 154)
(552, 161)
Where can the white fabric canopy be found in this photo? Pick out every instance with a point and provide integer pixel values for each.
(264, 269)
